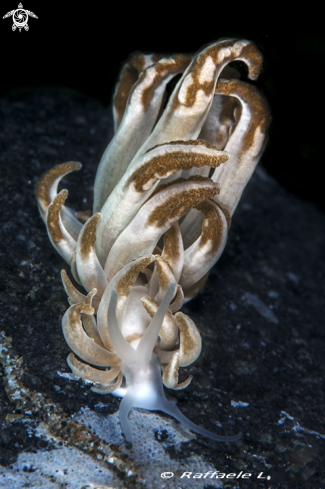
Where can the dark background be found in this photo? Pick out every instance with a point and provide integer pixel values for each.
(82, 48)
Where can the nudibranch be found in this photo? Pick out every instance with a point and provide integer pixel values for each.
(165, 190)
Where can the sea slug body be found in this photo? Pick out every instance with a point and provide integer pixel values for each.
(165, 191)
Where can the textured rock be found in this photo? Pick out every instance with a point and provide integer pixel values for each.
(261, 318)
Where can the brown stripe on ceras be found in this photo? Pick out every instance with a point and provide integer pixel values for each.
(188, 142)
(212, 228)
(190, 339)
(192, 178)
(135, 65)
(53, 216)
(125, 283)
(182, 323)
(171, 244)
(253, 54)
(150, 305)
(47, 179)
(177, 205)
(164, 272)
(161, 166)
(226, 213)
(176, 64)
(88, 239)
(258, 107)
(133, 337)
(249, 52)
(129, 75)
(73, 294)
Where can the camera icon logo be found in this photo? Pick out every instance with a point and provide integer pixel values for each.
(167, 475)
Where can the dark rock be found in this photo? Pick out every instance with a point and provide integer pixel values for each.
(261, 370)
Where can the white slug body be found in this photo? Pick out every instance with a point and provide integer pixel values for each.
(147, 392)
(160, 220)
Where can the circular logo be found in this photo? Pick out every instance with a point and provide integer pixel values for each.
(20, 17)
(167, 475)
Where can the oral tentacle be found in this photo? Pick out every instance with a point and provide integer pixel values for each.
(149, 339)
(168, 332)
(171, 409)
(126, 405)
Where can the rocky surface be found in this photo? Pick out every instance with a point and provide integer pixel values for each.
(261, 318)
